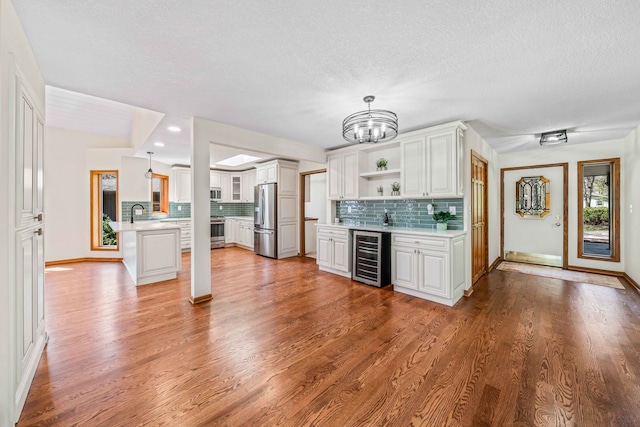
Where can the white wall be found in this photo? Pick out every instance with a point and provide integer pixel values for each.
(69, 157)
(14, 49)
(630, 215)
(572, 154)
(317, 205)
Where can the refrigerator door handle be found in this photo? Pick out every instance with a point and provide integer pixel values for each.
(263, 232)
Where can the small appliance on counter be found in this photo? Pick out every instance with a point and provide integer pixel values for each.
(265, 237)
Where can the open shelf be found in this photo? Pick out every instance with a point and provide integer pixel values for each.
(374, 174)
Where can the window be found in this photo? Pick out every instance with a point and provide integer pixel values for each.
(159, 194)
(599, 209)
(104, 209)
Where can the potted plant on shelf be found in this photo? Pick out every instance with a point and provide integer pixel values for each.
(441, 218)
(395, 189)
(380, 190)
(381, 164)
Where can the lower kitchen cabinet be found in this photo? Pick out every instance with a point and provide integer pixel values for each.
(185, 232)
(428, 267)
(333, 252)
(238, 232)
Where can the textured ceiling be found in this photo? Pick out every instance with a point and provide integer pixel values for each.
(294, 69)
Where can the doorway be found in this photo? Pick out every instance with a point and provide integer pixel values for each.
(534, 211)
(313, 208)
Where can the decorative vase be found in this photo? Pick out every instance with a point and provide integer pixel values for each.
(395, 193)
(380, 193)
(441, 226)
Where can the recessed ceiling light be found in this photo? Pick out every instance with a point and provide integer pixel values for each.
(159, 144)
(174, 128)
(238, 160)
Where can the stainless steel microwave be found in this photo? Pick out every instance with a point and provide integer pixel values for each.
(215, 193)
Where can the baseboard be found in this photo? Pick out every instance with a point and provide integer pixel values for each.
(468, 292)
(69, 261)
(596, 271)
(200, 299)
(630, 280)
(494, 264)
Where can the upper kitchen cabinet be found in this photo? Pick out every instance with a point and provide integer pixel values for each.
(181, 185)
(431, 162)
(343, 176)
(215, 179)
(282, 172)
(248, 184)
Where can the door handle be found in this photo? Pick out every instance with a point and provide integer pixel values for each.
(39, 217)
(38, 232)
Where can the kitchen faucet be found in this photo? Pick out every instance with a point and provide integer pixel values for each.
(137, 204)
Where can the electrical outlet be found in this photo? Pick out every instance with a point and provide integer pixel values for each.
(138, 211)
(348, 209)
(452, 210)
(430, 209)
(179, 207)
(220, 207)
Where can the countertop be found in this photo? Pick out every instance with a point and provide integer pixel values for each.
(242, 218)
(119, 226)
(421, 231)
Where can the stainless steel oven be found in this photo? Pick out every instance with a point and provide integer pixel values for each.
(217, 232)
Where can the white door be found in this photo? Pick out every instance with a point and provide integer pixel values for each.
(433, 273)
(413, 168)
(530, 238)
(323, 256)
(350, 174)
(340, 254)
(404, 267)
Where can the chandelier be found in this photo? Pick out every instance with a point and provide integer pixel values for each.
(370, 125)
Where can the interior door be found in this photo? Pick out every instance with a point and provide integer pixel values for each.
(479, 231)
(535, 239)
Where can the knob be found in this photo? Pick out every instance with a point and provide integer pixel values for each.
(39, 217)
(38, 232)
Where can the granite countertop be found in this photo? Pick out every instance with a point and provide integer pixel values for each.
(119, 226)
(421, 231)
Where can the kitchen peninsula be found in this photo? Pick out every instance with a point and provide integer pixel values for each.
(150, 249)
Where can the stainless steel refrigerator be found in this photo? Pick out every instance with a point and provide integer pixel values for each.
(265, 237)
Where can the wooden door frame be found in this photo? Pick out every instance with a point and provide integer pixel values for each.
(301, 207)
(565, 207)
(485, 213)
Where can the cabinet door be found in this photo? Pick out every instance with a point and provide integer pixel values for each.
(441, 167)
(272, 173)
(403, 267)
(340, 254)
(261, 175)
(225, 185)
(433, 275)
(237, 231)
(323, 252)
(214, 179)
(413, 168)
(182, 186)
(334, 177)
(248, 184)
(350, 175)
(236, 188)
(229, 225)
(249, 235)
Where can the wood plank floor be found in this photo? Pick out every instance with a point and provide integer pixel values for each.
(283, 344)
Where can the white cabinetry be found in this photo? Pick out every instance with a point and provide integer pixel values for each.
(185, 232)
(225, 185)
(215, 179)
(333, 252)
(239, 231)
(428, 267)
(431, 163)
(236, 188)
(343, 176)
(248, 184)
(181, 185)
(229, 231)
(266, 172)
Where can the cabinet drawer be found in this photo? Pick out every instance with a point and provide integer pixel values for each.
(333, 232)
(422, 242)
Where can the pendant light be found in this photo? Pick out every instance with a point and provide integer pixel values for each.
(149, 173)
(370, 125)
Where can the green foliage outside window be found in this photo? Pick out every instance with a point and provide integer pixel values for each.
(596, 216)
(108, 235)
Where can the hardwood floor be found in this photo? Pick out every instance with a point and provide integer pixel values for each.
(284, 344)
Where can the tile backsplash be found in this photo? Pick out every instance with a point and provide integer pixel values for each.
(402, 213)
(183, 210)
